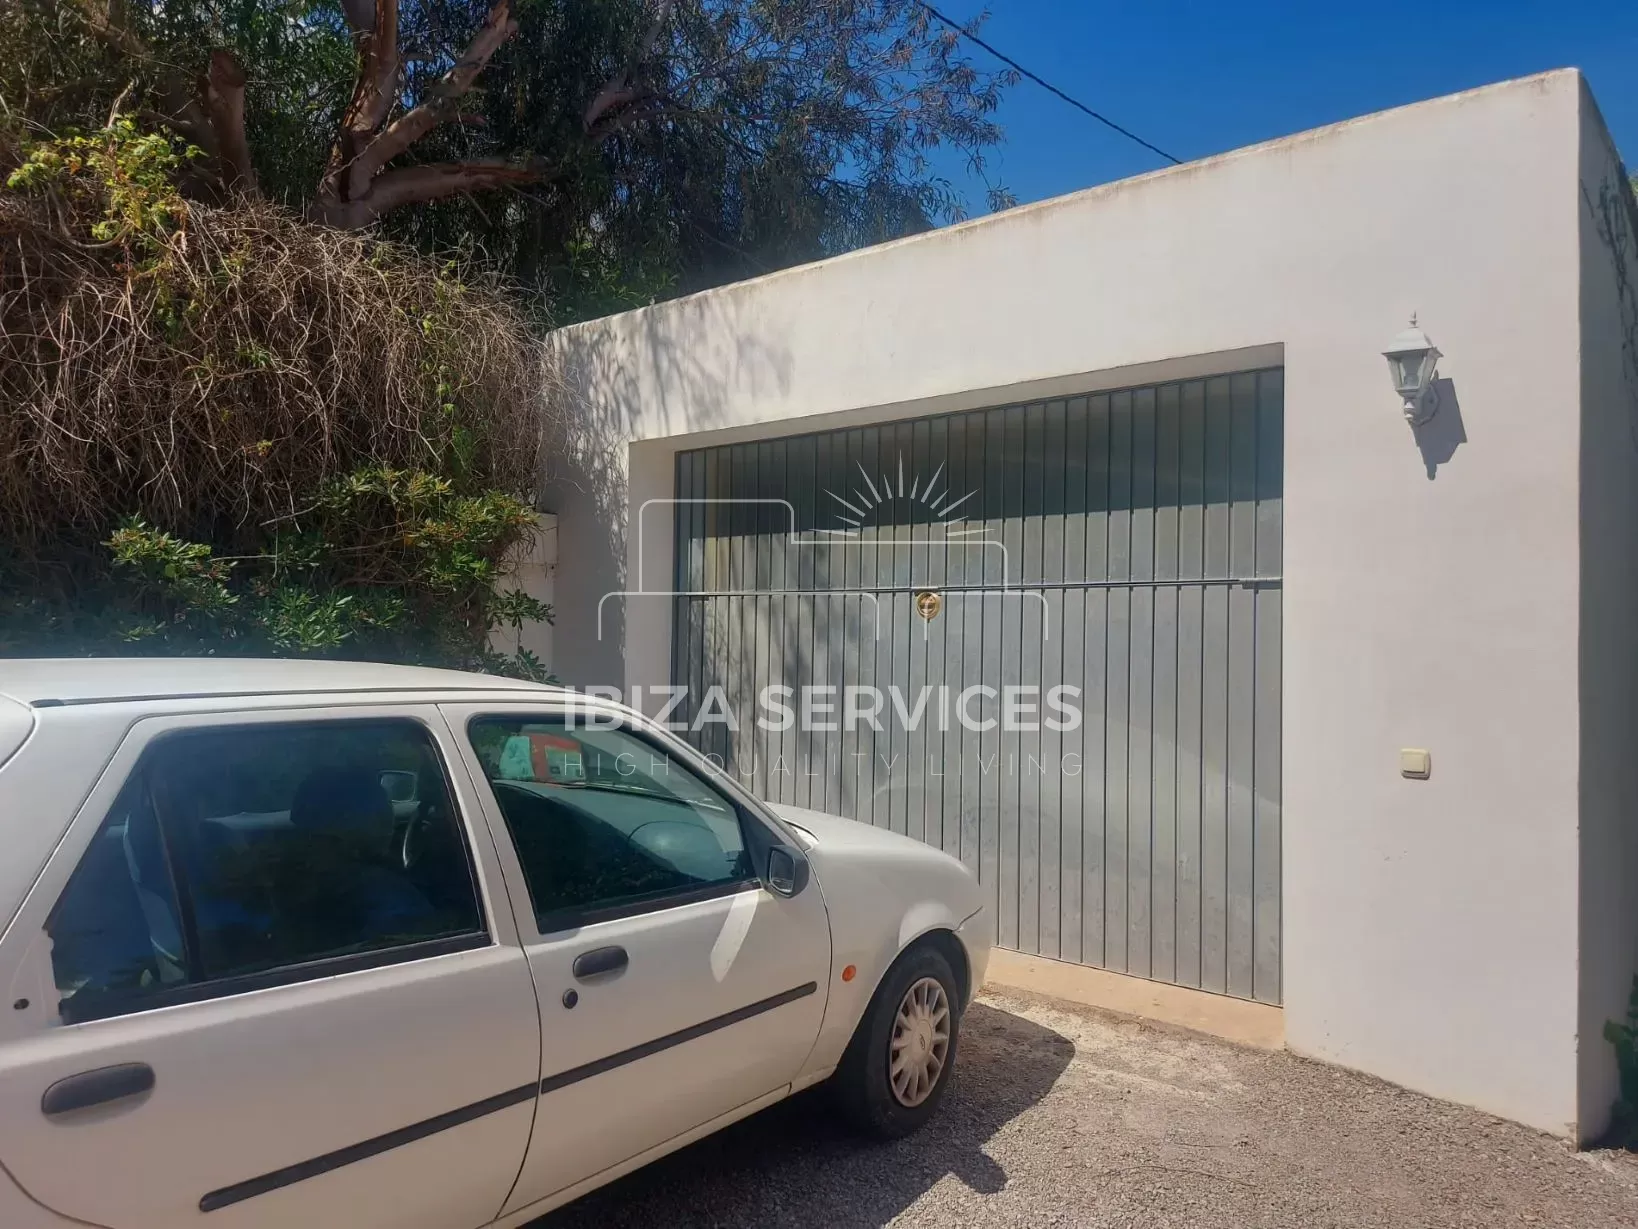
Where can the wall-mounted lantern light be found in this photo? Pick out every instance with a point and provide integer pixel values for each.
(1413, 361)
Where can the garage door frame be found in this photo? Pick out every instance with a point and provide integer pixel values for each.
(1178, 586)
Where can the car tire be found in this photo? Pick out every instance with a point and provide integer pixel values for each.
(885, 1098)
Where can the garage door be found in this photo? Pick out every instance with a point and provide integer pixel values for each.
(1069, 613)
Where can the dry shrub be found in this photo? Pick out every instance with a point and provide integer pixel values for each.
(229, 431)
(210, 374)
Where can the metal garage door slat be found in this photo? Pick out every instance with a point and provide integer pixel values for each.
(1149, 522)
(1244, 582)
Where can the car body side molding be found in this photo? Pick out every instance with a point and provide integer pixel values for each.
(319, 1165)
(597, 1067)
(303, 1170)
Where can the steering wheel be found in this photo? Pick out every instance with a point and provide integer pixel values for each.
(412, 841)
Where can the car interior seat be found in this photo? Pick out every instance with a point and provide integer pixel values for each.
(347, 809)
(145, 858)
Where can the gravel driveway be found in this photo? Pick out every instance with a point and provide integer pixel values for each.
(1063, 1116)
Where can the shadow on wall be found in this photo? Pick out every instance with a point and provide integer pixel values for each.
(653, 374)
(1440, 437)
(795, 1164)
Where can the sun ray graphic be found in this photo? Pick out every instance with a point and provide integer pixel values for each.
(861, 503)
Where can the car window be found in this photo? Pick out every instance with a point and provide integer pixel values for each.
(254, 849)
(604, 821)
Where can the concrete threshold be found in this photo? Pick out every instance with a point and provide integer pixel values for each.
(1248, 1024)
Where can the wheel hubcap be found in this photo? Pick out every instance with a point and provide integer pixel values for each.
(920, 1043)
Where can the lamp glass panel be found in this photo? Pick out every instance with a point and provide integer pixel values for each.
(1424, 375)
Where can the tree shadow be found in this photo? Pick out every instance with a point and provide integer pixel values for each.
(797, 1164)
(607, 384)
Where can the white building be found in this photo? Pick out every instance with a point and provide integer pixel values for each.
(1266, 586)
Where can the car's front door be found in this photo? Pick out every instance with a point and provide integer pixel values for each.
(674, 987)
(263, 983)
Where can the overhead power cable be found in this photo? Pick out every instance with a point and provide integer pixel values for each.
(1045, 85)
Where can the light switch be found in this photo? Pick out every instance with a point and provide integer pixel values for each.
(1415, 763)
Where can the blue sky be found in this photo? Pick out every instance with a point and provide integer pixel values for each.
(1198, 78)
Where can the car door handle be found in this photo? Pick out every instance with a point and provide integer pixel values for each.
(77, 1092)
(599, 960)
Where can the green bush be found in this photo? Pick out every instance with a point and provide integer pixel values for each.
(386, 564)
(1624, 1037)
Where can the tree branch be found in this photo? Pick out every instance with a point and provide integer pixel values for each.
(410, 185)
(375, 89)
(382, 82)
(656, 106)
(225, 102)
(119, 103)
(413, 184)
(619, 91)
(661, 16)
(360, 15)
(110, 27)
(611, 97)
(415, 124)
(208, 111)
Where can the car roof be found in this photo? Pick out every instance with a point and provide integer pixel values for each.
(88, 680)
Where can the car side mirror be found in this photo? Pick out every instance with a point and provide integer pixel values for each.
(787, 870)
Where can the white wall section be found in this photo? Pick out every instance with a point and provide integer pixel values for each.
(1436, 595)
(1608, 666)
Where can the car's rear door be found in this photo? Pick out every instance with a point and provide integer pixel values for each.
(625, 856)
(234, 1003)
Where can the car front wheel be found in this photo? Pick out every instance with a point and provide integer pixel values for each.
(902, 1056)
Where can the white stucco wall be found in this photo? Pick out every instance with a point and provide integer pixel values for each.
(535, 573)
(1430, 928)
(1609, 608)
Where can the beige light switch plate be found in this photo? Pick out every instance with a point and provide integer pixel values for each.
(1415, 763)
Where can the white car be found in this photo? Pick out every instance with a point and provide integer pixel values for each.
(317, 943)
